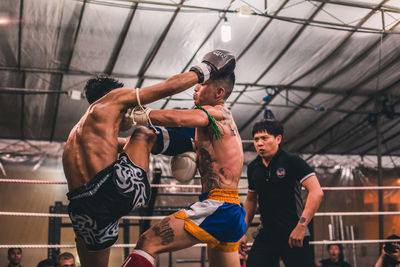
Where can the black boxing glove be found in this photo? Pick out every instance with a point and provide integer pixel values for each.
(215, 63)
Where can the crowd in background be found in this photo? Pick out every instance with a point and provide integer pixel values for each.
(65, 259)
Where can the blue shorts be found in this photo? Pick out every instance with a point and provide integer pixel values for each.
(218, 219)
(96, 207)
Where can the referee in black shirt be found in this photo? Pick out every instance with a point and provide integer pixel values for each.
(275, 179)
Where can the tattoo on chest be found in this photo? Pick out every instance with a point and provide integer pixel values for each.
(164, 230)
(227, 115)
(210, 179)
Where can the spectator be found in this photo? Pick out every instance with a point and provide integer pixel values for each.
(66, 259)
(390, 255)
(336, 258)
(47, 263)
(14, 257)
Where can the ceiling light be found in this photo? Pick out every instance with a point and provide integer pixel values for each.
(4, 21)
(226, 31)
(75, 94)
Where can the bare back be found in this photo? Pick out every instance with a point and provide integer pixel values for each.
(93, 142)
(220, 161)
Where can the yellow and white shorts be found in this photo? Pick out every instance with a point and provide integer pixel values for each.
(217, 219)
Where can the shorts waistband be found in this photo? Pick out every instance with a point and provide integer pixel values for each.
(224, 195)
(92, 185)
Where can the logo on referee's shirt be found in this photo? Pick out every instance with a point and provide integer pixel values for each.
(281, 173)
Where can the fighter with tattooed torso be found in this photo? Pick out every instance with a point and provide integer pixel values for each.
(217, 219)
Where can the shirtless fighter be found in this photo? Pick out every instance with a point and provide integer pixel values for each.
(103, 186)
(217, 219)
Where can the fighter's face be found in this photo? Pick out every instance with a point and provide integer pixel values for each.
(266, 144)
(204, 93)
(334, 253)
(15, 257)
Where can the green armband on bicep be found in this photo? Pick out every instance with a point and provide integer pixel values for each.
(212, 122)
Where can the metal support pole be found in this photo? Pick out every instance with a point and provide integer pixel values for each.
(353, 246)
(145, 224)
(337, 227)
(348, 246)
(54, 234)
(380, 183)
(341, 228)
(203, 257)
(333, 228)
(125, 228)
(170, 264)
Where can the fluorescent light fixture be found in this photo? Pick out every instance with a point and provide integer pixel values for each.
(4, 21)
(226, 31)
(75, 94)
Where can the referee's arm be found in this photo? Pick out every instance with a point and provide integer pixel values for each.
(250, 205)
(314, 199)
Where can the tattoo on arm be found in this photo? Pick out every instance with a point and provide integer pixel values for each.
(302, 220)
(227, 120)
(164, 230)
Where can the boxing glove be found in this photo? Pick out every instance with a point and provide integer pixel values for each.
(140, 115)
(214, 64)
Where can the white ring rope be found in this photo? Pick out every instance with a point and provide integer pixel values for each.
(22, 181)
(321, 242)
(58, 215)
(337, 188)
(326, 242)
(359, 213)
(73, 246)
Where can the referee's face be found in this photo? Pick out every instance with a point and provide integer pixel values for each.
(266, 144)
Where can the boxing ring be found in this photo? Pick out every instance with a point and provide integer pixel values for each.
(142, 218)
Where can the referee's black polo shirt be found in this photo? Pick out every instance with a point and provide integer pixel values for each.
(279, 190)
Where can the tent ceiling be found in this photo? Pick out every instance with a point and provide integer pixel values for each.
(327, 68)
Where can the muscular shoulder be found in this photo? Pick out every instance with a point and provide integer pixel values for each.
(114, 100)
(101, 110)
(118, 92)
(99, 114)
(120, 97)
(215, 111)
